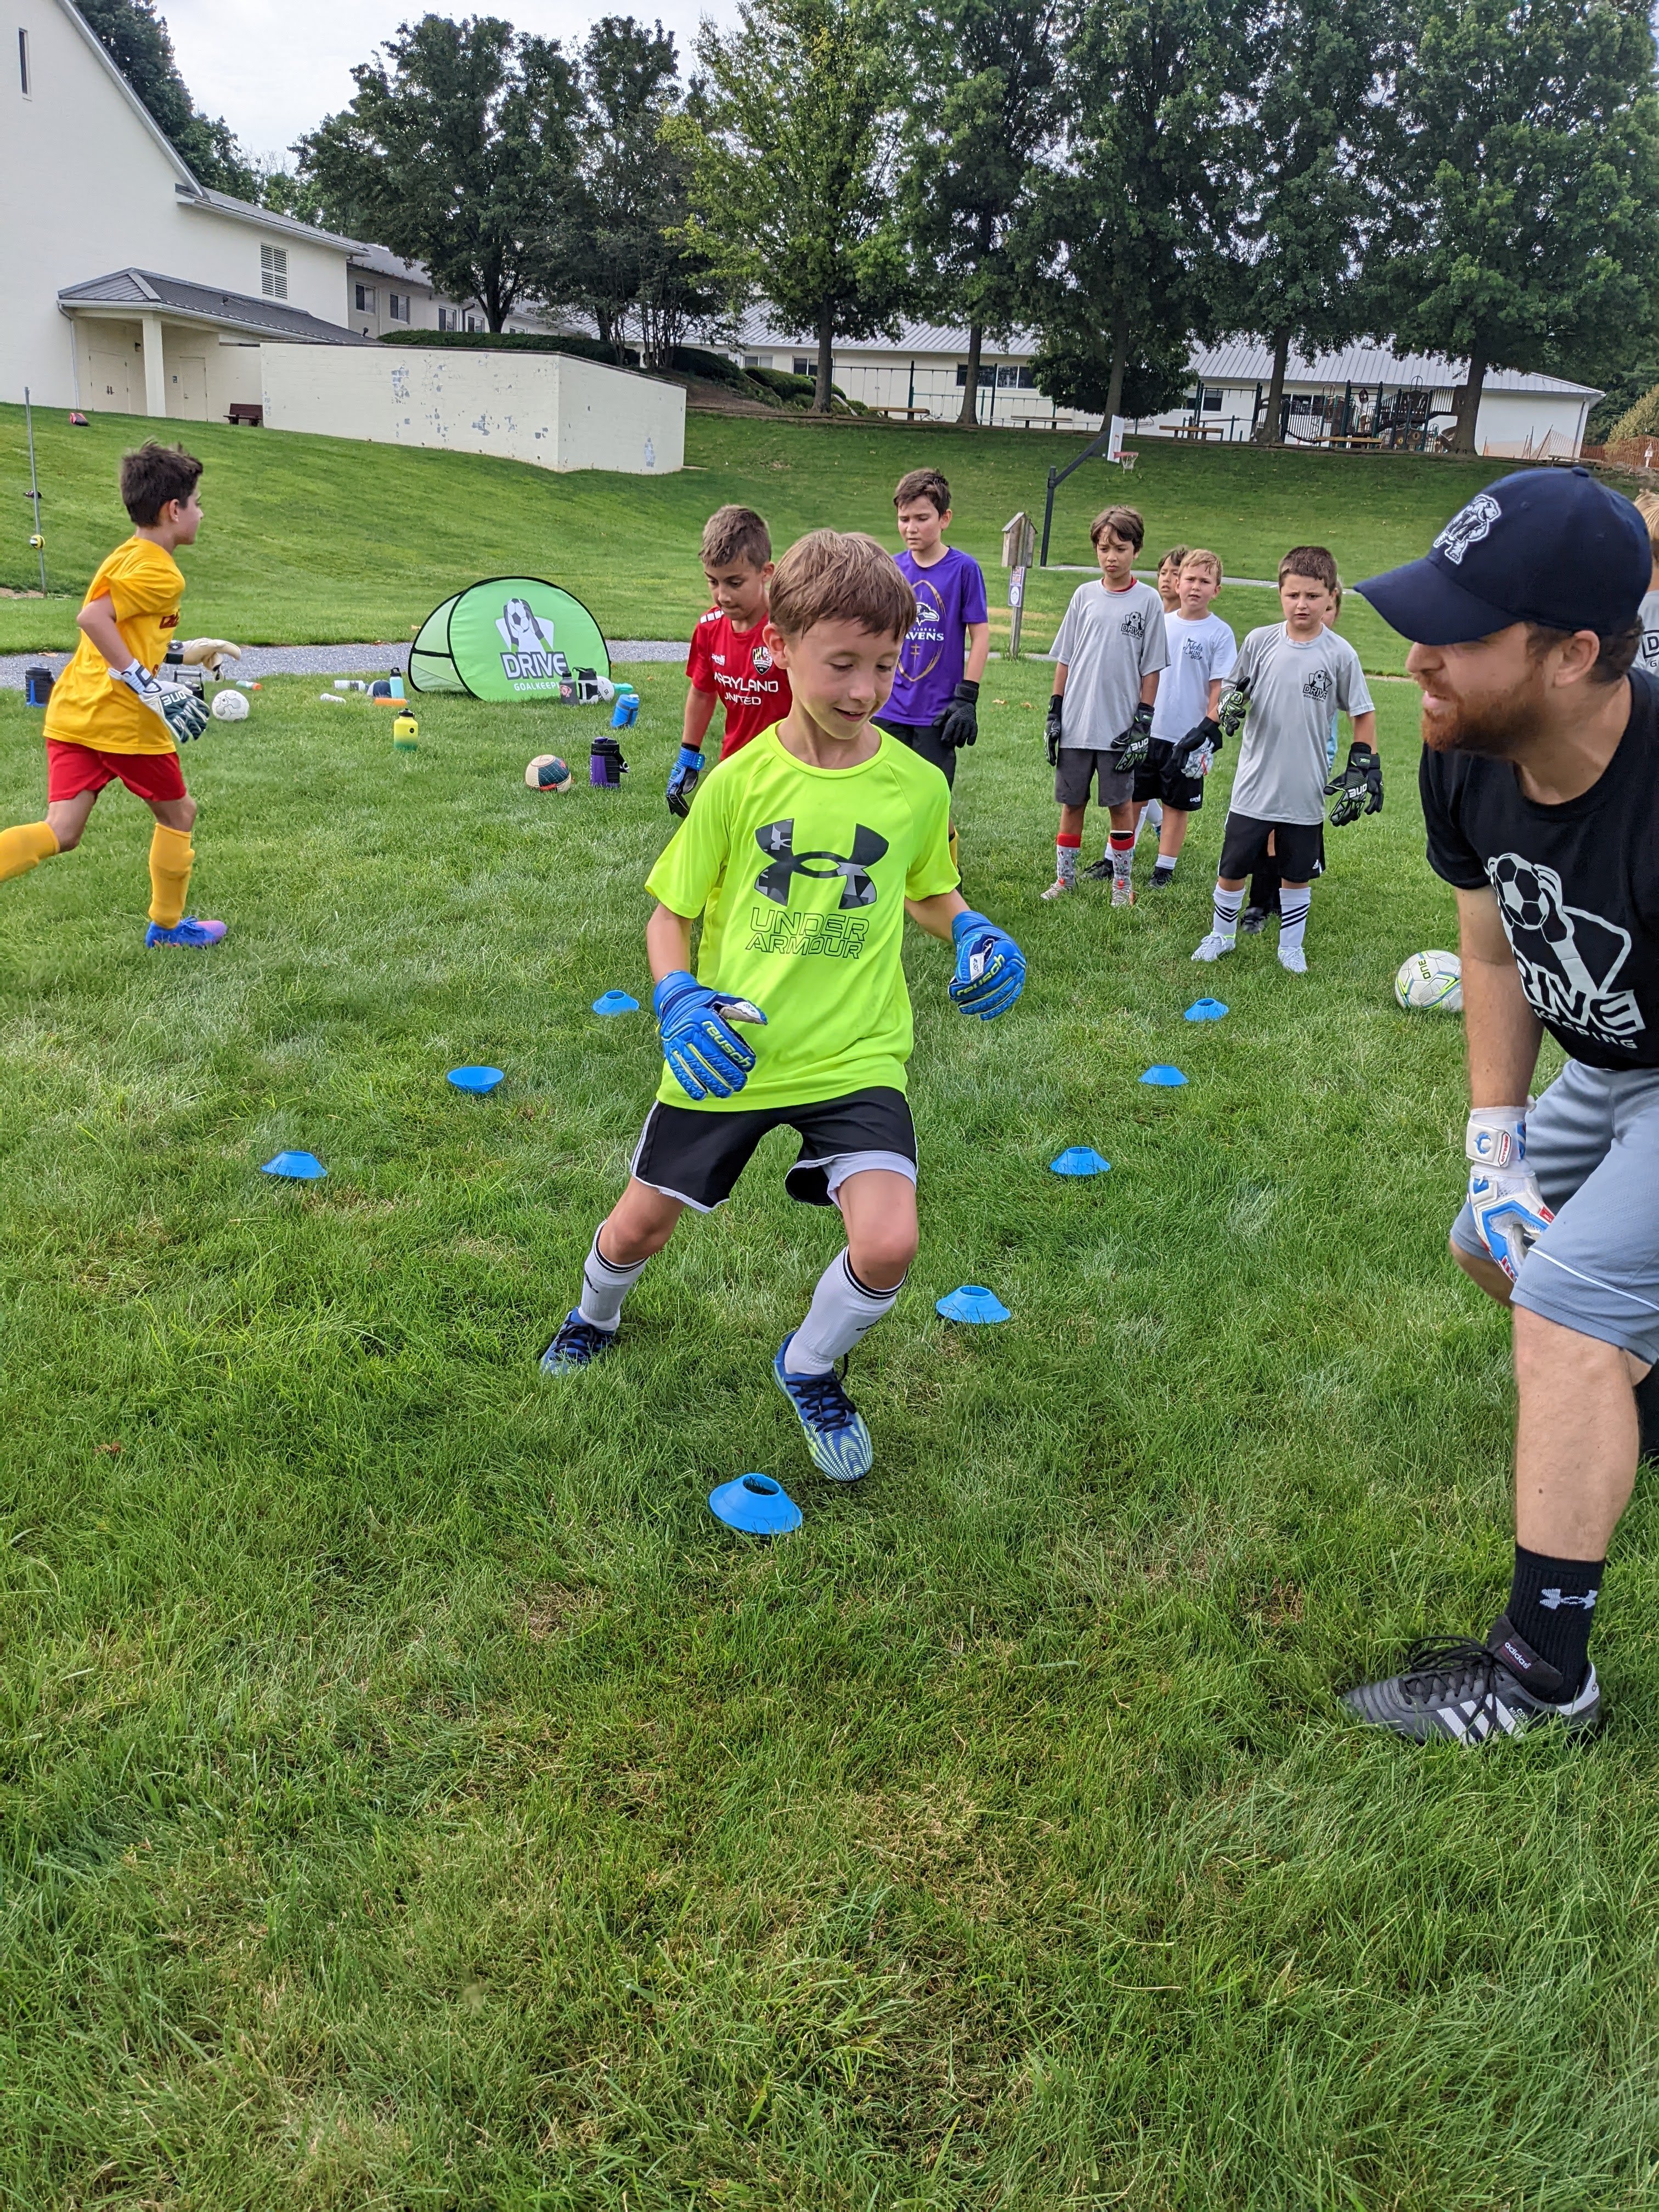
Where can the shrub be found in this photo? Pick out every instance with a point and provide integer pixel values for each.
(1641, 420)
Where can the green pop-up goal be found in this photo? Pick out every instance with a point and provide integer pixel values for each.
(508, 637)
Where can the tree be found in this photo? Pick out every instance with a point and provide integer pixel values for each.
(1308, 139)
(792, 194)
(970, 155)
(461, 154)
(1127, 240)
(1076, 372)
(138, 41)
(1530, 172)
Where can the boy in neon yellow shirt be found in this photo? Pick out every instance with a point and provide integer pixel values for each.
(111, 717)
(802, 856)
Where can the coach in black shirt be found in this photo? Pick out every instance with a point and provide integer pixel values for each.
(1541, 790)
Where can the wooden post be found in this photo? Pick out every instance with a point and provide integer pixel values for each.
(1019, 543)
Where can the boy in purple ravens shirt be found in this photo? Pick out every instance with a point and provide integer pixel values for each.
(933, 707)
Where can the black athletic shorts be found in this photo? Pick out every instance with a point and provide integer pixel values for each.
(1158, 778)
(691, 1154)
(1297, 847)
(923, 738)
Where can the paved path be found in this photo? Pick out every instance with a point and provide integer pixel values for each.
(260, 661)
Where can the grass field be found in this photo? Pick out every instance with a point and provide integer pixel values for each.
(318, 539)
(412, 1798)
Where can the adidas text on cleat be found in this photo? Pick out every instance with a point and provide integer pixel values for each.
(1212, 946)
(188, 931)
(578, 1344)
(1466, 1692)
(1123, 894)
(837, 1441)
(1292, 957)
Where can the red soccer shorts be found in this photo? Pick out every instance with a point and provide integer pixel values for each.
(71, 769)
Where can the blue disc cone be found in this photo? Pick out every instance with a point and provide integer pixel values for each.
(1205, 1010)
(974, 1303)
(479, 1080)
(615, 1002)
(1168, 1076)
(1081, 1160)
(297, 1167)
(756, 1506)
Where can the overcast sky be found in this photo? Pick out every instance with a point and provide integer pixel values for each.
(272, 68)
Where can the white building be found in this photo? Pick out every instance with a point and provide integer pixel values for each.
(129, 286)
(388, 295)
(922, 373)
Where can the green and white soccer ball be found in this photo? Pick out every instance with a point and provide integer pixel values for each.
(230, 706)
(1430, 980)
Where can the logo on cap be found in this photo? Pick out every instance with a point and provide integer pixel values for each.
(1468, 528)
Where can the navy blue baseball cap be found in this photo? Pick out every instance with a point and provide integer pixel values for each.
(1546, 545)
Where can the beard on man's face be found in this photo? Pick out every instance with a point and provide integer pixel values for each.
(1494, 729)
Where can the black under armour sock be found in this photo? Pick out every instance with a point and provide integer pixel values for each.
(1552, 1605)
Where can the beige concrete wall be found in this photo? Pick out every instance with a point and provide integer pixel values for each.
(547, 409)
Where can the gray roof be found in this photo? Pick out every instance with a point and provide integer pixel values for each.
(264, 218)
(1238, 361)
(380, 261)
(756, 329)
(143, 288)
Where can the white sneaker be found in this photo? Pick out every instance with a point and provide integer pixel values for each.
(1291, 956)
(1056, 890)
(1214, 946)
(1123, 894)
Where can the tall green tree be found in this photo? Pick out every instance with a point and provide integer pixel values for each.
(138, 42)
(458, 151)
(982, 114)
(1530, 175)
(1129, 238)
(1310, 139)
(793, 196)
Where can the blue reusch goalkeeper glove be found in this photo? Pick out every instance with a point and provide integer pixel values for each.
(990, 968)
(708, 1057)
(683, 781)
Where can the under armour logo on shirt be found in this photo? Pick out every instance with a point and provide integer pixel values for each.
(857, 889)
(1554, 1600)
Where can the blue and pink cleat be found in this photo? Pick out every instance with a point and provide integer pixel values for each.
(188, 931)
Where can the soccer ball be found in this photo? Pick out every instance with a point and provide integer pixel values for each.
(1430, 980)
(1522, 892)
(547, 772)
(230, 707)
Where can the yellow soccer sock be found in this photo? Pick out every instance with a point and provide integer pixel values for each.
(25, 847)
(170, 860)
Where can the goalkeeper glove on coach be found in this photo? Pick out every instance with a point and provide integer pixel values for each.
(1131, 748)
(1504, 1198)
(682, 780)
(961, 723)
(1051, 729)
(707, 1056)
(990, 968)
(184, 713)
(1358, 789)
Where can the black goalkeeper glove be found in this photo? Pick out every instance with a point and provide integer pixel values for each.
(1234, 708)
(961, 723)
(1051, 729)
(1132, 749)
(1192, 755)
(1358, 789)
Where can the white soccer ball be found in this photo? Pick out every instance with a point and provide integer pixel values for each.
(1430, 980)
(231, 705)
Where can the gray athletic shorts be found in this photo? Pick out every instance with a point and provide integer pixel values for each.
(1079, 766)
(1593, 1142)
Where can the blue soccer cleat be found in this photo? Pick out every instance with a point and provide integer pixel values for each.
(189, 932)
(837, 1441)
(577, 1345)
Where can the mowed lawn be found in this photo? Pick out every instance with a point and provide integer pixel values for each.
(413, 1798)
(323, 539)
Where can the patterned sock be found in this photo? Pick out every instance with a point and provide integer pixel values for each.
(25, 847)
(1293, 915)
(1225, 919)
(842, 1313)
(171, 860)
(1122, 847)
(605, 1285)
(1552, 1604)
(1065, 853)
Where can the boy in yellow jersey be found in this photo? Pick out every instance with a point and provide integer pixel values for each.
(110, 716)
(802, 857)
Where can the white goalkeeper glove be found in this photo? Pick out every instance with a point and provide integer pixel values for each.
(1504, 1198)
(209, 653)
(184, 713)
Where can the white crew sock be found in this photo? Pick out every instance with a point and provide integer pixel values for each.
(1293, 915)
(1225, 922)
(605, 1285)
(842, 1312)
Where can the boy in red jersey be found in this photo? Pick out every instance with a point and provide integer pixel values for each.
(729, 664)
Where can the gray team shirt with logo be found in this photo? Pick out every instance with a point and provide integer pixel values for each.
(1199, 652)
(1109, 641)
(1294, 689)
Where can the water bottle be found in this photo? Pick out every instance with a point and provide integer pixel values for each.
(606, 767)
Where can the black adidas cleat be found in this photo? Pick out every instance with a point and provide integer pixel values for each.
(1467, 1691)
(1253, 920)
(1098, 871)
(577, 1345)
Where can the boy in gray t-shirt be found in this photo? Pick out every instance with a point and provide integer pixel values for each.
(1294, 674)
(1109, 649)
